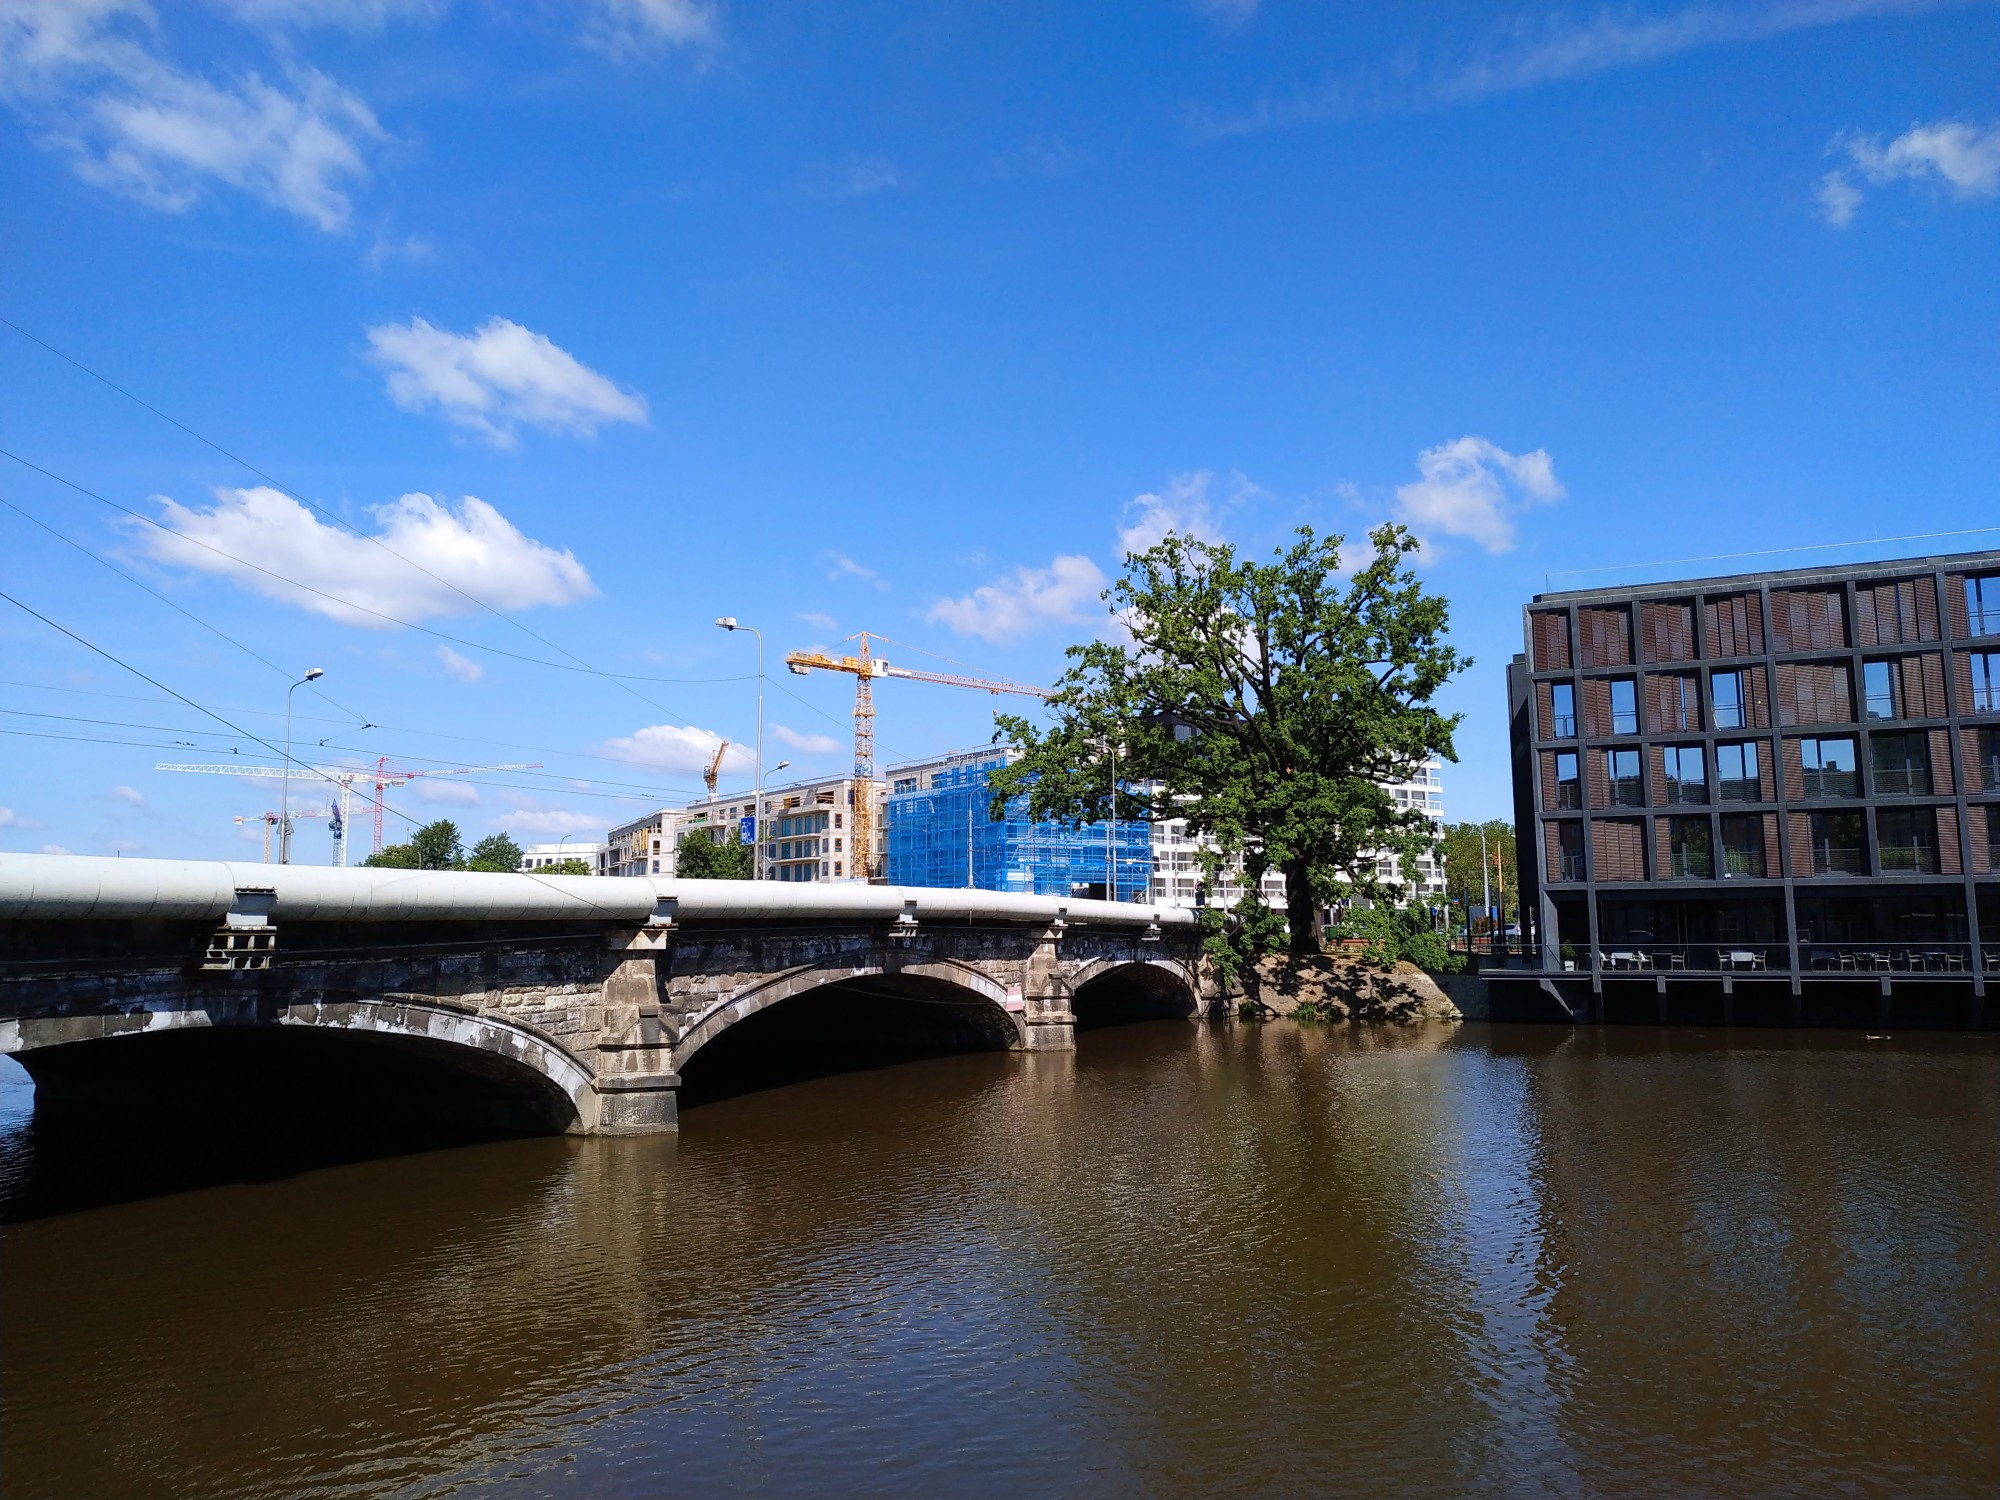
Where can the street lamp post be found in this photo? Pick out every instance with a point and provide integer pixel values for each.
(285, 792)
(730, 623)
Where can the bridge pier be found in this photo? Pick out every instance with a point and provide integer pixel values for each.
(636, 1082)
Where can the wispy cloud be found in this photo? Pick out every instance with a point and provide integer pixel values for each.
(387, 249)
(131, 796)
(805, 744)
(91, 83)
(464, 668)
(819, 621)
(855, 177)
(1546, 46)
(557, 821)
(677, 748)
(1183, 505)
(497, 378)
(267, 542)
(633, 30)
(840, 565)
(1066, 592)
(1960, 158)
(1473, 488)
(447, 790)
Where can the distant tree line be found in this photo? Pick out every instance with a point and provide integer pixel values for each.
(438, 846)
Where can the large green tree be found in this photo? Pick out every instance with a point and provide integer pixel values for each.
(701, 858)
(435, 846)
(496, 852)
(1266, 703)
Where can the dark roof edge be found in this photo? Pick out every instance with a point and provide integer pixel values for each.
(1949, 562)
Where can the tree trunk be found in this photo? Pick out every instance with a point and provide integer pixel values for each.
(1308, 932)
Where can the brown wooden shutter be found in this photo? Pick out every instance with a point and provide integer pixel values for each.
(1767, 779)
(1552, 849)
(1927, 608)
(1548, 780)
(1975, 773)
(1667, 631)
(1598, 775)
(1795, 774)
(1656, 765)
(1933, 674)
(1545, 710)
(1735, 625)
(1961, 665)
(1941, 762)
(1954, 601)
(1663, 849)
(1597, 707)
(1618, 846)
(1867, 629)
(1807, 620)
(1982, 844)
(1606, 637)
(1551, 632)
(1889, 614)
(1814, 692)
(1801, 845)
(1673, 705)
(1759, 697)
(1773, 852)
(1947, 827)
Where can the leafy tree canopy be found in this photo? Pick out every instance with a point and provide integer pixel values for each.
(497, 852)
(567, 867)
(435, 846)
(1263, 702)
(1462, 869)
(701, 858)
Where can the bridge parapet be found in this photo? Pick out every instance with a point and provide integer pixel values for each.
(588, 993)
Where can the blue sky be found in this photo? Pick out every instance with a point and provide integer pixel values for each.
(612, 317)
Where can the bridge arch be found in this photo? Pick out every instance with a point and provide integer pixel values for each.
(386, 1061)
(861, 1011)
(1107, 991)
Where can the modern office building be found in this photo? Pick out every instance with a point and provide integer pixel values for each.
(644, 846)
(805, 834)
(940, 833)
(1770, 797)
(541, 856)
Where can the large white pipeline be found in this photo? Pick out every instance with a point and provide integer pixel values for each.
(71, 886)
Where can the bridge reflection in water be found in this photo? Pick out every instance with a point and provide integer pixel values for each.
(1175, 1261)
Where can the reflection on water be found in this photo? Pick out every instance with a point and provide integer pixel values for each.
(1257, 1260)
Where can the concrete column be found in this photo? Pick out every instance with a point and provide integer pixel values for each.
(635, 1080)
(1051, 1025)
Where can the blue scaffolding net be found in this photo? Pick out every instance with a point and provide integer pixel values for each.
(941, 835)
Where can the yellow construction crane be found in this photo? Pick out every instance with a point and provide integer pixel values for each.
(865, 668)
(714, 771)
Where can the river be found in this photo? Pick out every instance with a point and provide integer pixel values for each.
(1181, 1261)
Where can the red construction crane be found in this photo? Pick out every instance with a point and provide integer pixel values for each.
(385, 778)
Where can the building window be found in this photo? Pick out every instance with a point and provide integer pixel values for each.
(1743, 847)
(1736, 772)
(1829, 768)
(1985, 681)
(1899, 765)
(1624, 706)
(1621, 772)
(1688, 846)
(1727, 690)
(1569, 788)
(1907, 839)
(1569, 851)
(1562, 715)
(1687, 775)
(1836, 844)
(1982, 604)
(1989, 759)
(1878, 689)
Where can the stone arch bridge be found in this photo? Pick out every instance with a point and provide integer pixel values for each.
(226, 991)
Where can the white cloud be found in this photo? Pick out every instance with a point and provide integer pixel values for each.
(474, 548)
(56, 849)
(7, 817)
(1064, 593)
(335, 15)
(819, 621)
(1963, 159)
(499, 376)
(670, 747)
(464, 668)
(555, 821)
(89, 82)
(130, 796)
(629, 29)
(856, 177)
(447, 789)
(1185, 506)
(840, 566)
(412, 248)
(1547, 46)
(1838, 198)
(805, 744)
(1473, 488)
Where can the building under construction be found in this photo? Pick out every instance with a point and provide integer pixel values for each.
(940, 833)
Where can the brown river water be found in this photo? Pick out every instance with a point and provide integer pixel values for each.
(1182, 1261)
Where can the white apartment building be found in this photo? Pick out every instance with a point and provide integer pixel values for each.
(541, 856)
(645, 846)
(806, 831)
(1177, 870)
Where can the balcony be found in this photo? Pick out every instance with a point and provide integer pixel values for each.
(1694, 958)
(1887, 958)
